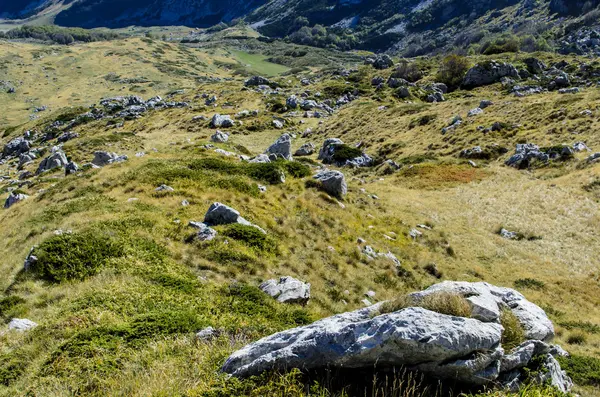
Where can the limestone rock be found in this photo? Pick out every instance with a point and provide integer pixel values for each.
(21, 324)
(287, 290)
(221, 121)
(57, 159)
(14, 198)
(219, 137)
(282, 147)
(489, 73)
(102, 158)
(306, 149)
(332, 182)
(408, 337)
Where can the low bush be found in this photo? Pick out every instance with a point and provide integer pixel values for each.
(344, 153)
(530, 283)
(74, 256)
(584, 370)
(453, 70)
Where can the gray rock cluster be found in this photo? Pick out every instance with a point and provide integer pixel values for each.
(287, 290)
(102, 158)
(57, 159)
(204, 232)
(219, 137)
(332, 145)
(461, 349)
(13, 198)
(221, 121)
(489, 73)
(380, 62)
(256, 81)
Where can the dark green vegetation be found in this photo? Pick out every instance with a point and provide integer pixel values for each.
(584, 370)
(57, 34)
(76, 256)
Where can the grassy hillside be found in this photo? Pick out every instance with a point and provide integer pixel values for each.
(125, 324)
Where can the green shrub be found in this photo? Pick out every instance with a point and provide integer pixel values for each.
(501, 45)
(439, 302)
(74, 256)
(584, 370)
(250, 236)
(166, 322)
(344, 153)
(577, 338)
(513, 334)
(530, 283)
(453, 70)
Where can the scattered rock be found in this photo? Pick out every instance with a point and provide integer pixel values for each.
(282, 147)
(332, 182)
(220, 214)
(21, 324)
(71, 168)
(306, 149)
(287, 290)
(207, 334)
(102, 158)
(57, 159)
(16, 147)
(219, 121)
(205, 233)
(489, 73)
(14, 198)
(474, 112)
(164, 188)
(219, 137)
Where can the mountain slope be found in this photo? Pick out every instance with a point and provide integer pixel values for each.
(118, 13)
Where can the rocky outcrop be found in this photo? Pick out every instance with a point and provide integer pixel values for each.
(287, 290)
(306, 149)
(221, 214)
(489, 73)
(102, 158)
(219, 137)
(221, 121)
(57, 159)
(488, 300)
(16, 147)
(467, 350)
(13, 198)
(330, 148)
(332, 182)
(21, 324)
(282, 147)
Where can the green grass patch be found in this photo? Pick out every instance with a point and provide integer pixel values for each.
(251, 236)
